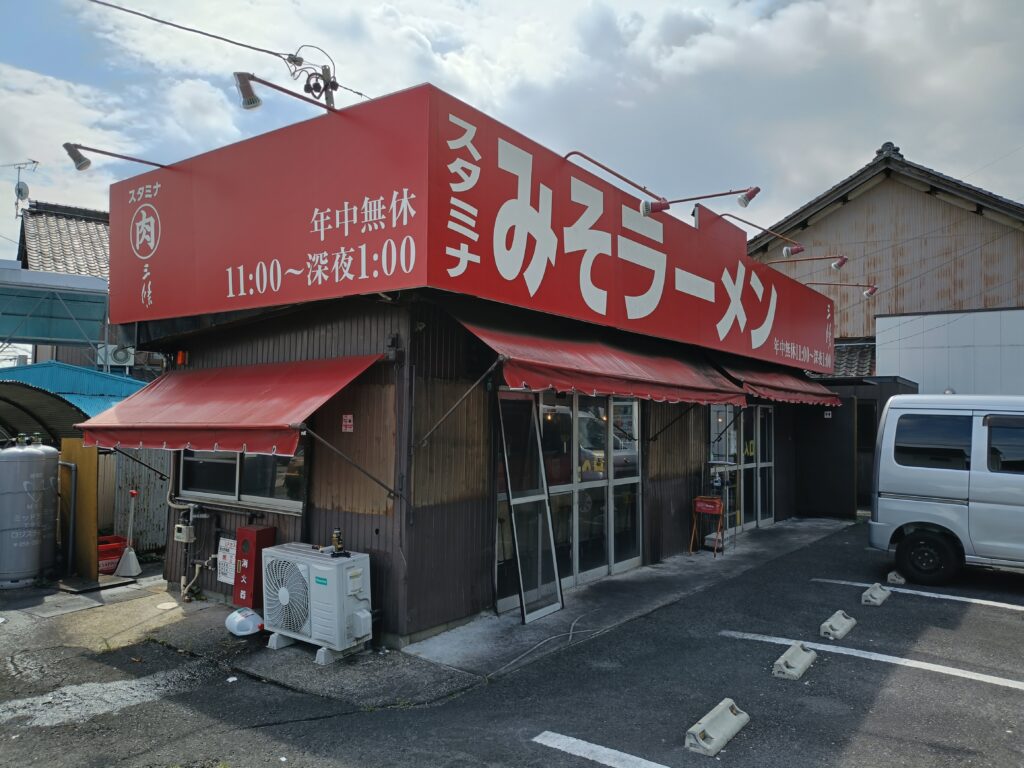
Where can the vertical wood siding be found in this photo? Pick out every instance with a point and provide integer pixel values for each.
(925, 255)
(338, 496)
(149, 530)
(452, 526)
(674, 473)
(106, 488)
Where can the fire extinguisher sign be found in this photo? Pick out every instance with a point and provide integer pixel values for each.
(347, 423)
(226, 561)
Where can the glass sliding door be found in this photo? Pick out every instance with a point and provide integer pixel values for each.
(765, 465)
(627, 541)
(529, 513)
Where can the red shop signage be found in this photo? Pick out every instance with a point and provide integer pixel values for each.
(419, 189)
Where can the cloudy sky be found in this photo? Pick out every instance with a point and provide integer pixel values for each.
(686, 97)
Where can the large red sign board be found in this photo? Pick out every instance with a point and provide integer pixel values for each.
(418, 189)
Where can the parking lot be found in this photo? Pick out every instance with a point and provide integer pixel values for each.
(919, 681)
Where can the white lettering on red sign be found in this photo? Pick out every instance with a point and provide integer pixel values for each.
(461, 215)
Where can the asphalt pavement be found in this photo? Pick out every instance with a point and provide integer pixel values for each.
(920, 681)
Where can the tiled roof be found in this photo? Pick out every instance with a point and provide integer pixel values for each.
(853, 360)
(889, 160)
(59, 238)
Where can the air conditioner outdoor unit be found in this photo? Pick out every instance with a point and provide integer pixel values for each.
(111, 354)
(317, 596)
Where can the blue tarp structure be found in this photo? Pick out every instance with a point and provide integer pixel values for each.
(51, 397)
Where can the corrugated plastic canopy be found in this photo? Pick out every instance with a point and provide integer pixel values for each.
(596, 368)
(27, 409)
(245, 409)
(778, 384)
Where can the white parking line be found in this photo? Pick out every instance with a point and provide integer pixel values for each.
(898, 660)
(957, 598)
(595, 752)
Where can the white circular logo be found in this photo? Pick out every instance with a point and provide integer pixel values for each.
(145, 231)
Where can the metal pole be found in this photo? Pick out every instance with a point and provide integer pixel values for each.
(349, 459)
(459, 402)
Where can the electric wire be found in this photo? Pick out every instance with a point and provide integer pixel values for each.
(289, 59)
(5, 237)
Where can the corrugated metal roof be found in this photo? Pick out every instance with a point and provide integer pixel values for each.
(25, 409)
(889, 160)
(61, 238)
(90, 391)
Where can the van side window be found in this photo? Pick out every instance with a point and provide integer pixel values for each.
(1005, 443)
(933, 441)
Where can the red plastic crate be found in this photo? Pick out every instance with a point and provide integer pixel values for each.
(110, 549)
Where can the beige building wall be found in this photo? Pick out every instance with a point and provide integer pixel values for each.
(926, 252)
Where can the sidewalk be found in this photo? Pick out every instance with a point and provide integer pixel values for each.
(38, 624)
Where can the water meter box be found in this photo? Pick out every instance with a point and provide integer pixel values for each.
(252, 540)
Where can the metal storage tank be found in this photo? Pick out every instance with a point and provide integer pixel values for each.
(21, 514)
(48, 539)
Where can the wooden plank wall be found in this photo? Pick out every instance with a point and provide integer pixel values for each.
(676, 452)
(106, 483)
(451, 531)
(926, 255)
(86, 459)
(338, 497)
(149, 530)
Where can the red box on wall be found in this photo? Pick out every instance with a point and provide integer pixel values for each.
(251, 541)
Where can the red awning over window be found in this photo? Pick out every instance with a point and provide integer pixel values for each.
(593, 367)
(774, 383)
(251, 409)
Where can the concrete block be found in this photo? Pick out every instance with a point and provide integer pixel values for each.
(876, 594)
(792, 664)
(713, 731)
(894, 577)
(838, 625)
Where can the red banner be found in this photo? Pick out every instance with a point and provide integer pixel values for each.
(419, 189)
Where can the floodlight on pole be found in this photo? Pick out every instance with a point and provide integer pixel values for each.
(244, 81)
(870, 289)
(790, 250)
(82, 162)
(647, 207)
(836, 265)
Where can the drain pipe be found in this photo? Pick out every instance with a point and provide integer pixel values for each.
(69, 553)
(199, 564)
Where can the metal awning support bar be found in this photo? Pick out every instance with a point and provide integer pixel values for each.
(654, 437)
(161, 475)
(391, 491)
(77, 325)
(423, 440)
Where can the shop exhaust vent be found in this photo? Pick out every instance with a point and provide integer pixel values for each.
(317, 596)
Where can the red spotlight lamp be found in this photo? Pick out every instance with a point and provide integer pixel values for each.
(870, 289)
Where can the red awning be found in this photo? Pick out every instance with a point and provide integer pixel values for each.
(250, 409)
(775, 383)
(593, 367)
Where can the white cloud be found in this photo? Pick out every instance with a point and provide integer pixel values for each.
(199, 114)
(790, 94)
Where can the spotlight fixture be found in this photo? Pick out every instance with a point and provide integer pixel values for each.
(82, 162)
(243, 82)
(836, 265)
(790, 250)
(647, 207)
(870, 289)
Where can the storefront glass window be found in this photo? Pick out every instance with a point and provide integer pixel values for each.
(556, 437)
(627, 522)
(592, 429)
(724, 434)
(273, 477)
(593, 528)
(561, 523)
(625, 446)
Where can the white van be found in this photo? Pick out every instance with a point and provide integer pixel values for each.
(949, 484)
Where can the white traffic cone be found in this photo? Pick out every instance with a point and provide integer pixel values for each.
(128, 566)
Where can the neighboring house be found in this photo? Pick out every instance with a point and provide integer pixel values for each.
(947, 258)
(70, 240)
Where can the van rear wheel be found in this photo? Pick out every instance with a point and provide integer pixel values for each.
(925, 557)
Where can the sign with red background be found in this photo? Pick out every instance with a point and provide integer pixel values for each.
(419, 189)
